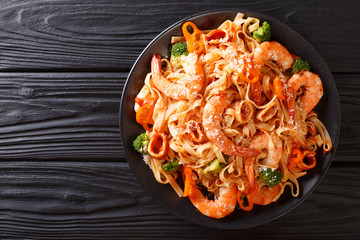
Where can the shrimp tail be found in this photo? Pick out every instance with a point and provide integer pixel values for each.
(156, 64)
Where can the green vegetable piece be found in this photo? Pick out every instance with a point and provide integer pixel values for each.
(214, 167)
(141, 143)
(263, 33)
(178, 49)
(270, 177)
(171, 166)
(300, 65)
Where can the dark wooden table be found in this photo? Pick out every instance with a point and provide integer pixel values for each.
(64, 175)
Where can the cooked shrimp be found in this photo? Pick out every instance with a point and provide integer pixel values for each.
(195, 72)
(312, 94)
(212, 127)
(266, 194)
(223, 205)
(172, 90)
(272, 51)
(261, 142)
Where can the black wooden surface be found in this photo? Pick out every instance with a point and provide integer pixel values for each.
(63, 65)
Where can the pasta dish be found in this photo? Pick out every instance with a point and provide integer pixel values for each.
(229, 117)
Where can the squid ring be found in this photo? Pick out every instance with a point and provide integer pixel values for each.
(158, 146)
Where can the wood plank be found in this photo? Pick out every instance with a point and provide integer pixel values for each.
(349, 92)
(109, 35)
(62, 115)
(88, 200)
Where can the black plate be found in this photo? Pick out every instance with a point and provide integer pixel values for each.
(328, 109)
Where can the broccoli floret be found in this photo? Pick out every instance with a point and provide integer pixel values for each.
(141, 143)
(263, 33)
(300, 65)
(214, 167)
(270, 177)
(178, 49)
(171, 166)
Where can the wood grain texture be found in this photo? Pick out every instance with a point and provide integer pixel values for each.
(109, 35)
(349, 92)
(60, 115)
(91, 200)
